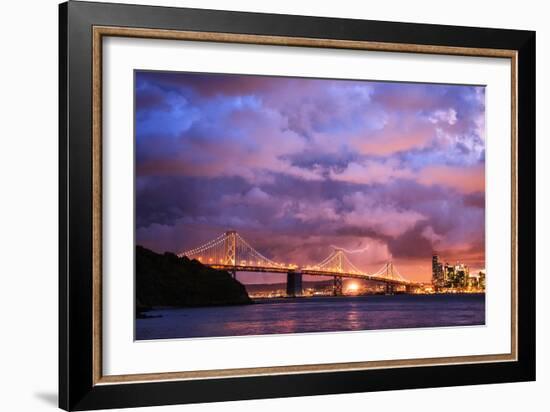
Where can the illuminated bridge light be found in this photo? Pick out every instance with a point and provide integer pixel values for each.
(335, 263)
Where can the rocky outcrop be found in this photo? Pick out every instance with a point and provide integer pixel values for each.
(168, 280)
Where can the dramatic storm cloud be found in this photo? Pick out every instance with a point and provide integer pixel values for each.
(298, 165)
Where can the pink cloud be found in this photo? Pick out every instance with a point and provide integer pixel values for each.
(446, 116)
(465, 179)
(397, 135)
(386, 219)
(372, 172)
(462, 178)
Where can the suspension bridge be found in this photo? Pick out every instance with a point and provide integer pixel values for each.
(231, 252)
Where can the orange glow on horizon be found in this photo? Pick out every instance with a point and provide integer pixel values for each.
(352, 287)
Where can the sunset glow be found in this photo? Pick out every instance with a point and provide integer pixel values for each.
(352, 287)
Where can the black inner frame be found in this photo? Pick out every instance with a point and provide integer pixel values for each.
(76, 388)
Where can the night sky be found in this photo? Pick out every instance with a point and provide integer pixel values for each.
(297, 165)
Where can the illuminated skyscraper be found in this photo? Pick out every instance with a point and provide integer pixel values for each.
(437, 273)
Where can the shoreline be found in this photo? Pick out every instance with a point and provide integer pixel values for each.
(142, 313)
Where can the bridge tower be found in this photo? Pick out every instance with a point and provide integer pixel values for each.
(389, 269)
(294, 283)
(337, 286)
(390, 287)
(337, 283)
(339, 259)
(230, 250)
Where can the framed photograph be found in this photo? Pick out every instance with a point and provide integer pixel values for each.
(256, 205)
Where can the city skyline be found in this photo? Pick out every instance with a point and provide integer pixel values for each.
(395, 170)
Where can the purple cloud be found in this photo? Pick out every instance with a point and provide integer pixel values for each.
(397, 168)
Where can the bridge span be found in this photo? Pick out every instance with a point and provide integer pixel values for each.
(232, 253)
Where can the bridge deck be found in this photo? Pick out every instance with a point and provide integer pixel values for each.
(231, 248)
(312, 272)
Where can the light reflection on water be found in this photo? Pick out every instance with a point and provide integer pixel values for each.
(318, 314)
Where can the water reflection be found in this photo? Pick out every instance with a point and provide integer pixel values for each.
(315, 315)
